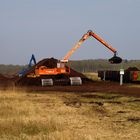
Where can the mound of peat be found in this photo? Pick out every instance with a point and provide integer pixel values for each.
(58, 79)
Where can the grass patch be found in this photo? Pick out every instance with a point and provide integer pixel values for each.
(17, 127)
(19, 115)
(92, 76)
(60, 116)
(134, 85)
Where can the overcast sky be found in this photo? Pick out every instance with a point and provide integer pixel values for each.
(50, 28)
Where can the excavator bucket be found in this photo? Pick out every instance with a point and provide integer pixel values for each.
(115, 60)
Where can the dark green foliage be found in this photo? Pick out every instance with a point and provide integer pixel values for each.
(101, 64)
(79, 65)
(10, 69)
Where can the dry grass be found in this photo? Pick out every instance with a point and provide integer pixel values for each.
(92, 76)
(68, 116)
(134, 85)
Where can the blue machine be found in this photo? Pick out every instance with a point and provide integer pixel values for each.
(32, 62)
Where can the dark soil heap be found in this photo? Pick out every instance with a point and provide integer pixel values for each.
(58, 79)
(5, 81)
(132, 69)
(2, 78)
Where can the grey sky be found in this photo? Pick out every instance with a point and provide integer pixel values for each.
(50, 28)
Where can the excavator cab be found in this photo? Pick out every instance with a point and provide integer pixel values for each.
(115, 59)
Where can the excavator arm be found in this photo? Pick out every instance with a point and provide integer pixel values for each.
(114, 59)
(102, 41)
(76, 46)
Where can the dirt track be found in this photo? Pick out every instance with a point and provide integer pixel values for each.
(103, 87)
(88, 86)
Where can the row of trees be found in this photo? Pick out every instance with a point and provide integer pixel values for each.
(101, 64)
(10, 69)
(80, 65)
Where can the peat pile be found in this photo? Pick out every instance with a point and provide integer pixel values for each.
(132, 69)
(58, 79)
(2, 77)
(5, 81)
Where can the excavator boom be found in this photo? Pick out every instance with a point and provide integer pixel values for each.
(76, 46)
(85, 37)
(102, 41)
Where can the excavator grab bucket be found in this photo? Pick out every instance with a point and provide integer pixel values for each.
(115, 60)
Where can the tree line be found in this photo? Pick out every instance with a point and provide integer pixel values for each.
(78, 65)
(101, 64)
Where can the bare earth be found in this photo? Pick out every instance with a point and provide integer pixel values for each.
(104, 87)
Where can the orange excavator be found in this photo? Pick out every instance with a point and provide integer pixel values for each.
(61, 65)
